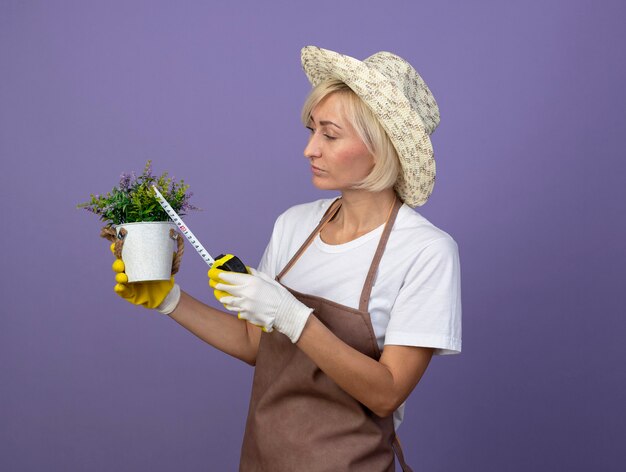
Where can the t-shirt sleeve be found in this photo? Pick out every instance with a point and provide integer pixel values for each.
(427, 310)
(269, 262)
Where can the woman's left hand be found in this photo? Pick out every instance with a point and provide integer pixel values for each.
(261, 301)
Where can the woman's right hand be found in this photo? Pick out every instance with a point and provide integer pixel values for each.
(162, 295)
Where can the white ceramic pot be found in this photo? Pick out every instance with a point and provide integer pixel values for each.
(148, 250)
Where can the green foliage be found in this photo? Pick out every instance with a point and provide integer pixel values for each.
(133, 200)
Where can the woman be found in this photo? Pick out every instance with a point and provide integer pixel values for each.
(340, 281)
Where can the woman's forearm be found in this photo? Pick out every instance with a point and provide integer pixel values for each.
(221, 330)
(381, 385)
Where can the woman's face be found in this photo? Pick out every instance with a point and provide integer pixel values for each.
(339, 158)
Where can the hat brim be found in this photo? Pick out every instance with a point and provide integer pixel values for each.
(402, 123)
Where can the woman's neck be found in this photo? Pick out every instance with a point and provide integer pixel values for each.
(360, 213)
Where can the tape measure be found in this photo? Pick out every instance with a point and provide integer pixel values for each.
(226, 261)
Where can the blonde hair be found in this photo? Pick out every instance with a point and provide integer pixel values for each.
(386, 163)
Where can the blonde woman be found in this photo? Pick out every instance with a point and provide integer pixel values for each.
(353, 295)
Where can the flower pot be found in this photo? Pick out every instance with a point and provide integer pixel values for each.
(148, 250)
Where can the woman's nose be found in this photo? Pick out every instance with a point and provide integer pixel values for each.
(312, 148)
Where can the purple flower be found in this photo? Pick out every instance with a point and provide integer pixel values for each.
(185, 206)
(148, 170)
(125, 181)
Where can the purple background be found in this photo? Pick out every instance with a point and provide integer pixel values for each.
(530, 168)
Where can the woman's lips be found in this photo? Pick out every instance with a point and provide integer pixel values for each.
(317, 170)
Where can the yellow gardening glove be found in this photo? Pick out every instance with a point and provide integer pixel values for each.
(162, 295)
(214, 276)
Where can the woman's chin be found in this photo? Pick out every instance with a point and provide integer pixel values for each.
(323, 184)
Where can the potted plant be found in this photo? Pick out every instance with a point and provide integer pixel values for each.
(141, 230)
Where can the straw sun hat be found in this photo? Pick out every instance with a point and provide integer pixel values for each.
(401, 101)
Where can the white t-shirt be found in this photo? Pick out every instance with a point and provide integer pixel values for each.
(416, 297)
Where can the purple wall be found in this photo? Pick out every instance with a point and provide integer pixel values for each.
(530, 160)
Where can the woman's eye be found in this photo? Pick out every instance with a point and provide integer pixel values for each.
(326, 135)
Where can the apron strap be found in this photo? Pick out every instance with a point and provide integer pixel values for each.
(371, 275)
(329, 215)
(398, 450)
